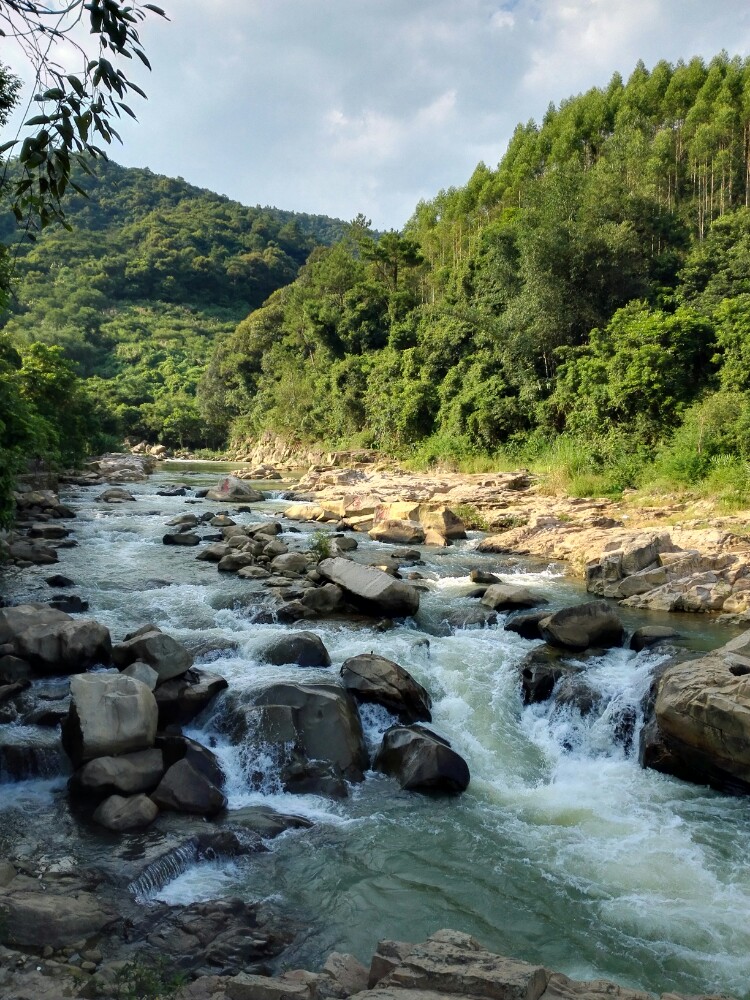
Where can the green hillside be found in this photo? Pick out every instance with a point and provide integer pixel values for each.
(151, 272)
(590, 297)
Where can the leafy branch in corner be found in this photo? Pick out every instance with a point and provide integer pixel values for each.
(76, 112)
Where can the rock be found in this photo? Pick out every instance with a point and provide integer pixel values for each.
(71, 604)
(326, 723)
(115, 494)
(174, 491)
(51, 532)
(222, 521)
(233, 490)
(471, 618)
(36, 554)
(65, 646)
(184, 538)
(583, 626)
(267, 822)
(290, 562)
(443, 521)
(573, 691)
(540, 670)
(124, 775)
(702, 712)
(235, 561)
(122, 814)
(175, 748)
(142, 672)
(30, 751)
(182, 699)
(421, 761)
(184, 789)
(58, 580)
(253, 573)
(527, 625)
(506, 597)
(450, 962)
(481, 576)
(13, 668)
(562, 988)
(398, 532)
(304, 777)
(373, 678)
(110, 714)
(371, 589)
(323, 600)
(168, 657)
(347, 972)
(650, 635)
(303, 648)
(214, 553)
(62, 919)
(184, 519)
(387, 957)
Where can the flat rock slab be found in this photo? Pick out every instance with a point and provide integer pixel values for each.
(34, 919)
(371, 588)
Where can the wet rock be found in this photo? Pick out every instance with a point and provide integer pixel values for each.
(110, 714)
(175, 748)
(482, 576)
(650, 635)
(64, 919)
(235, 561)
(69, 603)
(527, 625)
(50, 532)
(142, 672)
(472, 618)
(305, 649)
(123, 775)
(58, 580)
(182, 699)
(122, 814)
(325, 723)
(305, 777)
(573, 691)
(582, 626)
(185, 538)
(183, 520)
(540, 671)
(233, 490)
(421, 761)
(373, 678)
(168, 657)
(115, 494)
(30, 752)
(34, 554)
(51, 641)
(506, 597)
(214, 553)
(371, 589)
(184, 789)
(323, 600)
(267, 822)
(174, 491)
(13, 669)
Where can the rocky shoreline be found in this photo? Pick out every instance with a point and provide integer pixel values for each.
(121, 731)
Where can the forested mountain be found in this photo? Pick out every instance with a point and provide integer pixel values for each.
(151, 271)
(594, 286)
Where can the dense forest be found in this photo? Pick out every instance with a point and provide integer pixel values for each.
(587, 301)
(589, 298)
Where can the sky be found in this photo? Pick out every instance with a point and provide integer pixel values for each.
(346, 106)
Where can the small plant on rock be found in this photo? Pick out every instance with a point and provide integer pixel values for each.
(155, 981)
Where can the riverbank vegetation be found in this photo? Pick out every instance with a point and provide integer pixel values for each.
(583, 308)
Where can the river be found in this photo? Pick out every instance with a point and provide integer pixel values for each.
(562, 851)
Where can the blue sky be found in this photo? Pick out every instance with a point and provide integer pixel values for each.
(347, 106)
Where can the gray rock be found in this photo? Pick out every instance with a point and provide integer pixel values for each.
(583, 626)
(63, 919)
(168, 657)
(505, 597)
(123, 775)
(214, 553)
(303, 648)
(184, 789)
(373, 678)
(371, 589)
(650, 635)
(142, 672)
(527, 624)
(233, 490)
(183, 698)
(65, 646)
(290, 562)
(421, 761)
(185, 538)
(110, 714)
(540, 670)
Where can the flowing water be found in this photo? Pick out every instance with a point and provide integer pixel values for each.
(562, 850)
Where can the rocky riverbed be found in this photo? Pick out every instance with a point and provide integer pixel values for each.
(282, 738)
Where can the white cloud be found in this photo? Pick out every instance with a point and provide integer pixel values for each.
(341, 106)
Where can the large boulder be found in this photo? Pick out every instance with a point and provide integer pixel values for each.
(373, 678)
(585, 625)
(183, 698)
(702, 719)
(53, 642)
(33, 919)
(305, 649)
(540, 670)
(421, 761)
(168, 657)
(121, 814)
(372, 590)
(124, 775)
(185, 789)
(325, 723)
(233, 490)
(110, 714)
(398, 532)
(508, 597)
